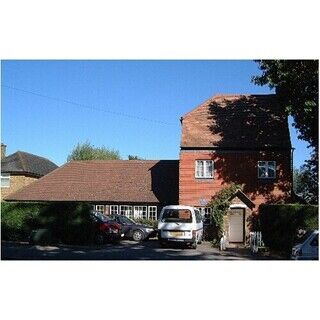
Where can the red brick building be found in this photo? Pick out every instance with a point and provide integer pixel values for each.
(242, 139)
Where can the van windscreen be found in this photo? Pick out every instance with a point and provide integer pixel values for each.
(177, 215)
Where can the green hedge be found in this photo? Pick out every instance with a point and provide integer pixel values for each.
(279, 224)
(68, 223)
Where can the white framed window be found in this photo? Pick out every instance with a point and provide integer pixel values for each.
(152, 213)
(126, 211)
(205, 211)
(140, 212)
(266, 169)
(5, 180)
(113, 209)
(99, 207)
(204, 169)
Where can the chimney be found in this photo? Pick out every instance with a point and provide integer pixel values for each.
(3, 150)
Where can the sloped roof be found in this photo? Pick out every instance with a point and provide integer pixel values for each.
(236, 122)
(111, 180)
(26, 163)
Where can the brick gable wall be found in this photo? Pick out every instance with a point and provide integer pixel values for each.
(234, 167)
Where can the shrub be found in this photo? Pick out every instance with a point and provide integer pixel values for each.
(280, 224)
(67, 222)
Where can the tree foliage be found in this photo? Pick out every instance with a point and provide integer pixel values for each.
(132, 157)
(297, 87)
(305, 183)
(86, 151)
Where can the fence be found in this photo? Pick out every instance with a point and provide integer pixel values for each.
(256, 241)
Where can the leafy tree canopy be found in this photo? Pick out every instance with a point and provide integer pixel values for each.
(86, 151)
(297, 87)
(305, 183)
(132, 157)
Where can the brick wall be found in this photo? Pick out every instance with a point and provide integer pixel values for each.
(234, 167)
(16, 183)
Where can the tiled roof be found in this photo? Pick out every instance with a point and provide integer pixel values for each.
(236, 122)
(27, 163)
(112, 180)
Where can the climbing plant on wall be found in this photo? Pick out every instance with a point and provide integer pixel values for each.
(220, 204)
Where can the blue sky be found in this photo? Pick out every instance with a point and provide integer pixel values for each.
(130, 106)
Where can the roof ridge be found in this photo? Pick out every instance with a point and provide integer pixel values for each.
(34, 155)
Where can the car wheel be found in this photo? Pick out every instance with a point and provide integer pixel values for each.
(99, 239)
(137, 235)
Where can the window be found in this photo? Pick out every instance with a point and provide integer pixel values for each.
(204, 169)
(5, 180)
(99, 208)
(140, 212)
(153, 213)
(205, 214)
(177, 215)
(126, 211)
(113, 209)
(266, 169)
(198, 216)
(315, 241)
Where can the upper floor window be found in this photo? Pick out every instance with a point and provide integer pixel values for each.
(5, 180)
(204, 169)
(266, 169)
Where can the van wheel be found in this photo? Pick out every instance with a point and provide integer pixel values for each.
(200, 240)
(137, 235)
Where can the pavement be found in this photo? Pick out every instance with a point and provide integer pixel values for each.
(125, 250)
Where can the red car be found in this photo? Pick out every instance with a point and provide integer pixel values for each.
(106, 229)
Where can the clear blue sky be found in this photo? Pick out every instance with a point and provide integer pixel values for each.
(116, 101)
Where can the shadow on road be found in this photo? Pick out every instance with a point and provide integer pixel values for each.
(126, 250)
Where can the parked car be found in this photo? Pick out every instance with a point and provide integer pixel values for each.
(106, 229)
(133, 230)
(180, 224)
(307, 248)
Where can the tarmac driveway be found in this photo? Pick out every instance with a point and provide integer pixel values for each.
(126, 250)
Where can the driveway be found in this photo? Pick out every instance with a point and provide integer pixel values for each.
(126, 250)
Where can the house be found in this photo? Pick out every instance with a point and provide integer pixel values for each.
(20, 169)
(135, 188)
(241, 139)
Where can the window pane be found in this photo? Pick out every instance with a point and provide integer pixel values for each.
(153, 213)
(271, 172)
(209, 170)
(262, 172)
(200, 169)
(5, 180)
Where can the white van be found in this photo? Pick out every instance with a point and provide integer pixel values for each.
(180, 224)
(307, 248)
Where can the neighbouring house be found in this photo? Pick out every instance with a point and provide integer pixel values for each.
(241, 139)
(20, 169)
(135, 188)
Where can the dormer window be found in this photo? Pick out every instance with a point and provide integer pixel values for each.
(266, 169)
(204, 169)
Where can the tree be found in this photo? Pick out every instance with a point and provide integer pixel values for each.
(131, 157)
(86, 151)
(305, 184)
(297, 86)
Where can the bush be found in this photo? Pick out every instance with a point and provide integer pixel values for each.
(280, 224)
(67, 222)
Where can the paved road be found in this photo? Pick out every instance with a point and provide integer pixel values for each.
(126, 250)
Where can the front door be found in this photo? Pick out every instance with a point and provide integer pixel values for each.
(236, 225)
